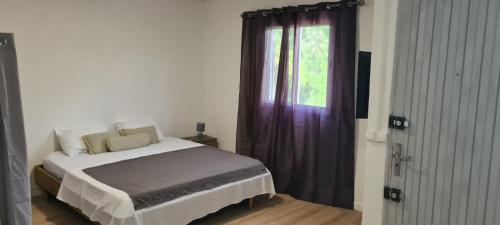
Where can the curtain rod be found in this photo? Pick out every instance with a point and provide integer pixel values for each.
(312, 7)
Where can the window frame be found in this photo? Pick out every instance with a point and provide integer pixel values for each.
(270, 70)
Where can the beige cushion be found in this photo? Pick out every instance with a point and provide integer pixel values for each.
(96, 143)
(150, 131)
(115, 144)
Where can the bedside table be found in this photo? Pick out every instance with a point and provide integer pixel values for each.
(206, 140)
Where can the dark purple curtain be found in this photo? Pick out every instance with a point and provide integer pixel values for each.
(308, 149)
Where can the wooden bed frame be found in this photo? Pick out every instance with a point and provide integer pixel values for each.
(46, 181)
(50, 184)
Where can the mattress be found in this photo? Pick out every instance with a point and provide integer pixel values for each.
(155, 179)
(59, 163)
(110, 206)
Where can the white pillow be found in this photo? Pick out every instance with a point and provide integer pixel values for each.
(139, 122)
(71, 141)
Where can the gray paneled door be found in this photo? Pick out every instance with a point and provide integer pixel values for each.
(446, 82)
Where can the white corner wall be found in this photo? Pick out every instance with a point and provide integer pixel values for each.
(221, 72)
(383, 42)
(87, 61)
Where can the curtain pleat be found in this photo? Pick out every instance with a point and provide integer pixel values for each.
(15, 201)
(308, 149)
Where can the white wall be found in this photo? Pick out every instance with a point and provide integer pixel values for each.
(221, 69)
(86, 61)
(384, 18)
(82, 62)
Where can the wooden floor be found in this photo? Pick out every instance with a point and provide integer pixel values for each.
(281, 210)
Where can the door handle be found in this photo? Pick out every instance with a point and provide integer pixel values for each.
(398, 158)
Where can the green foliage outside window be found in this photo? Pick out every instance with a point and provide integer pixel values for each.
(311, 83)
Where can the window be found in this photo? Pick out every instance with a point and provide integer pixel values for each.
(307, 73)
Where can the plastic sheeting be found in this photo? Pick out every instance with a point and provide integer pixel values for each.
(15, 202)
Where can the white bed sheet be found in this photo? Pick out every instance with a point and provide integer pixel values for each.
(59, 163)
(110, 206)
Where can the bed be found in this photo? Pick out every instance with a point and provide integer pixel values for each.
(65, 177)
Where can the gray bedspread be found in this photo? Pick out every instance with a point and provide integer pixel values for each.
(155, 179)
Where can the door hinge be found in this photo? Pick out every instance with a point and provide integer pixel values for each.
(398, 122)
(393, 194)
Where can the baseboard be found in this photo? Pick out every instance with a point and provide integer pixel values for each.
(358, 206)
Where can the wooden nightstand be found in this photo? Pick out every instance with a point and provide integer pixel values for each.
(206, 140)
